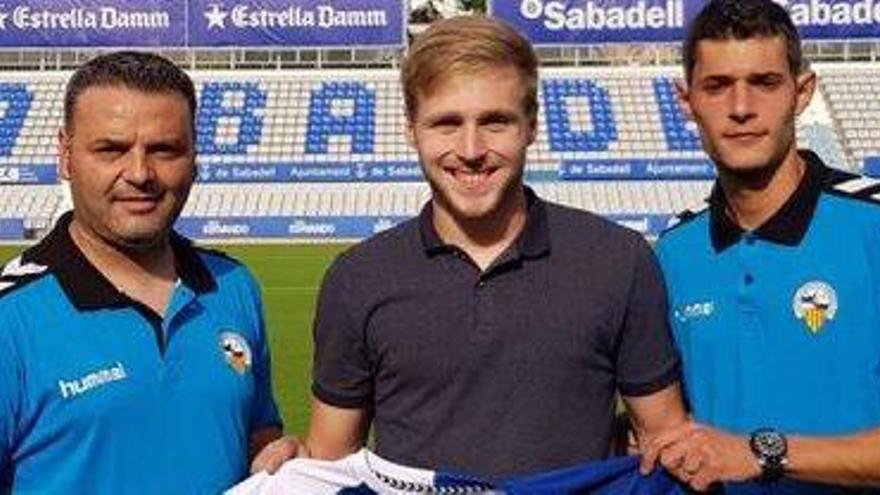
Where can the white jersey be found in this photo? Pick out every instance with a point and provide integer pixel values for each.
(361, 473)
(365, 473)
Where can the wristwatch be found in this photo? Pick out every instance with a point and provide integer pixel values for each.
(770, 449)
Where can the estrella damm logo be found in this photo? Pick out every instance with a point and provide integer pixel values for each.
(815, 303)
(236, 351)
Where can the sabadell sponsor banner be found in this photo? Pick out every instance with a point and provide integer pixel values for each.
(573, 22)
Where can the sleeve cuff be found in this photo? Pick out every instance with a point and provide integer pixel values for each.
(338, 400)
(672, 375)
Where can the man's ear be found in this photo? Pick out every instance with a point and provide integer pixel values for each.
(684, 98)
(63, 150)
(806, 87)
(409, 130)
(533, 130)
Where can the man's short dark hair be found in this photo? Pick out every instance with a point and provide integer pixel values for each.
(740, 20)
(142, 71)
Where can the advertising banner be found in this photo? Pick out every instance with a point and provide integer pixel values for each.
(582, 22)
(377, 23)
(871, 166)
(642, 169)
(202, 23)
(342, 227)
(835, 19)
(650, 225)
(311, 172)
(11, 229)
(579, 22)
(28, 174)
(90, 23)
(297, 23)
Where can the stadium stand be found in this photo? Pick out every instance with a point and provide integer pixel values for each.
(851, 97)
(321, 154)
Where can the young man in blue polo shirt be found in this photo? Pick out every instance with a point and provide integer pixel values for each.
(132, 361)
(774, 285)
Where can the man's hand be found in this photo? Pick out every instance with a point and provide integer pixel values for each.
(700, 456)
(276, 453)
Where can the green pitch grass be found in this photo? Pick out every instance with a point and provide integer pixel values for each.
(289, 276)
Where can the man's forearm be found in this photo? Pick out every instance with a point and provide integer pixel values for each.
(852, 460)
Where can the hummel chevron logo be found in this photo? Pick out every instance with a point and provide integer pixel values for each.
(15, 269)
(857, 184)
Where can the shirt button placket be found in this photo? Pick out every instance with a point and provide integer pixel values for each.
(747, 285)
(482, 308)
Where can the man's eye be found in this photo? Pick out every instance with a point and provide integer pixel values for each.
(713, 87)
(168, 153)
(496, 125)
(444, 126)
(769, 82)
(109, 152)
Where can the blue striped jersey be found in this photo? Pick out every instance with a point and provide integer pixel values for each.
(365, 473)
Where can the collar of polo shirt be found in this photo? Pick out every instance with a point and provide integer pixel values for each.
(788, 226)
(88, 288)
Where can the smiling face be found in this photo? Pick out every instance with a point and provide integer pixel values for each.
(744, 98)
(129, 157)
(471, 134)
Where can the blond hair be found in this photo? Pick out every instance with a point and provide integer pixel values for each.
(465, 45)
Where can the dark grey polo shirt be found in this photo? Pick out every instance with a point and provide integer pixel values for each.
(510, 370)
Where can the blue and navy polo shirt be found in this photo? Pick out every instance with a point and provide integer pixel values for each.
(99, 394)
(780, 326)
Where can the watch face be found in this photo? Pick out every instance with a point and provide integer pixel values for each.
(768, 443)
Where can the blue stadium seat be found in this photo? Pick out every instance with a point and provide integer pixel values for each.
(212, 110)
(561, 135)
(678, 136)
(358, 126)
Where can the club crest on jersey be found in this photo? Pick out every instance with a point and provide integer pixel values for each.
(815, 303)
(236, 351)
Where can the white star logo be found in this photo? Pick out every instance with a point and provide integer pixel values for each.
(216, 17)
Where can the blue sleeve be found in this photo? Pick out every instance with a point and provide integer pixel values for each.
(10, 398)
(264, 410)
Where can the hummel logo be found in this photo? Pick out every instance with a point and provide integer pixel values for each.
(15, 270)
(95, 379)
(216, 17)
(687, 312)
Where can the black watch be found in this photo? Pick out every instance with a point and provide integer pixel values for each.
(770, 449)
